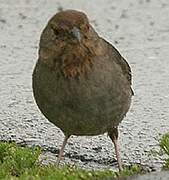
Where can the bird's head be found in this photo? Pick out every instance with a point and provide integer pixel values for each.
(71, 26)
(68, 37)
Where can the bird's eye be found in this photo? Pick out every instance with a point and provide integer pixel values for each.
(56, 32)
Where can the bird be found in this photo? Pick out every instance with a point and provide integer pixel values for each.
(80, 82)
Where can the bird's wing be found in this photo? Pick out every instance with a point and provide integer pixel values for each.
(120, 61)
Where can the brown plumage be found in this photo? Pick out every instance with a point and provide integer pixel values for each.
(81, 83)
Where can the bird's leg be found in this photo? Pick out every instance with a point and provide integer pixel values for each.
(113, 134)
(62, 149)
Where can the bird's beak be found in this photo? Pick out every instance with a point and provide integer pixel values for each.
(76, 33)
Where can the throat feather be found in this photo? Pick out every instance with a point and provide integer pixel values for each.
(77, 62)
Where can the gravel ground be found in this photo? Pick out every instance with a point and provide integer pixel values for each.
(139, 29)
(164, 175)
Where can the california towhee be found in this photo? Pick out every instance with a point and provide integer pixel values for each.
(81, 83)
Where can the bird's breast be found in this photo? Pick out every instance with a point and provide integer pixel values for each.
(82, 106)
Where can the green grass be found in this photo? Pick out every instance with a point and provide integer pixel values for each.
(164, 145)
(20, 163)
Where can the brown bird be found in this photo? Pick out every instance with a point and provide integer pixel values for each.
(81, 83)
